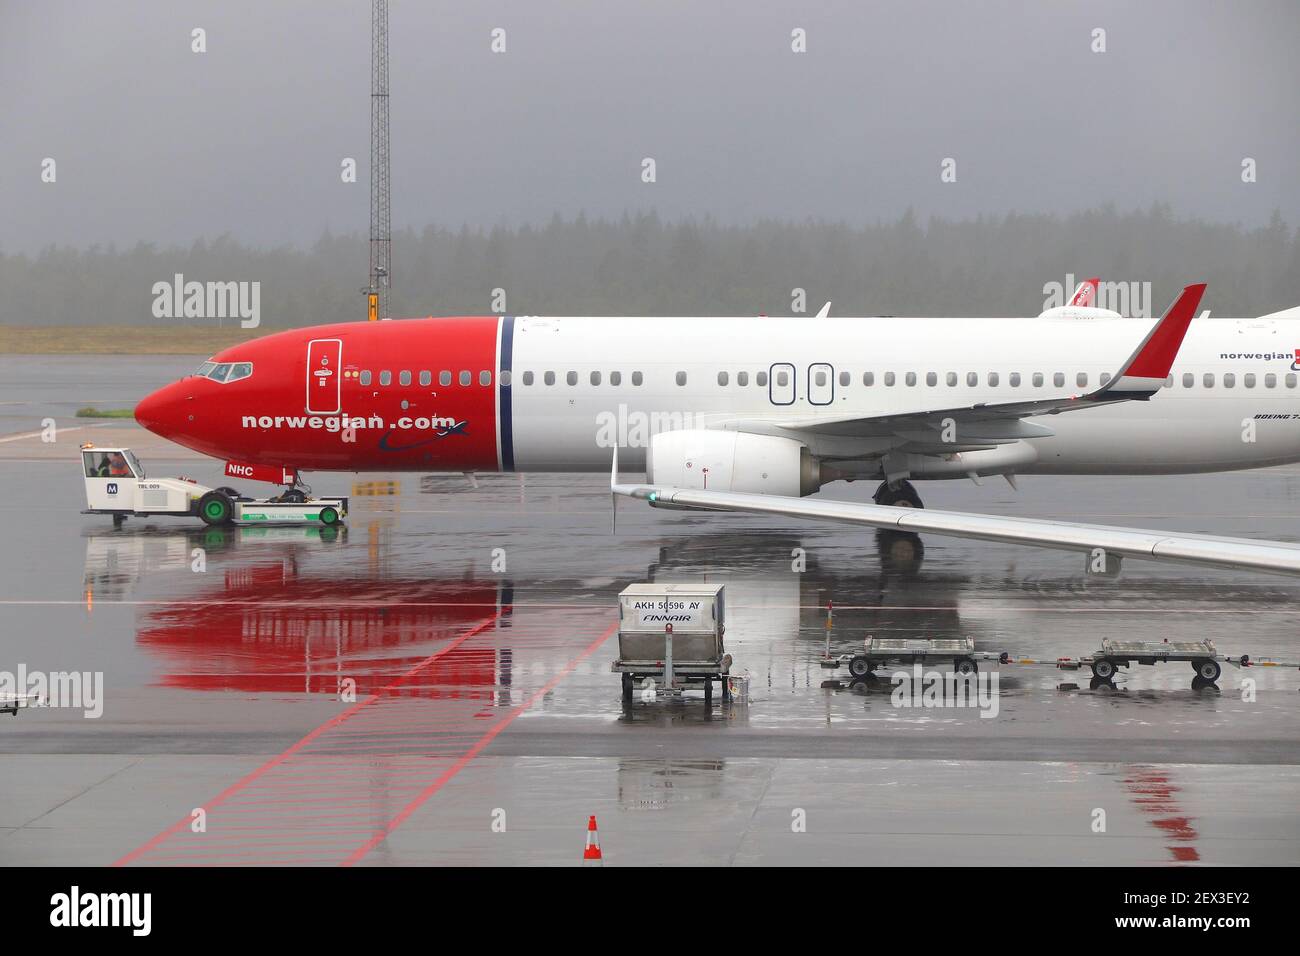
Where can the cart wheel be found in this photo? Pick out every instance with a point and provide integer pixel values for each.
(1103, 668)
(329, 515)
(216, 508)
(860, 666)
(628, 685)
(118, 521)
(965, 666)
(708, 691)
(1207, 669)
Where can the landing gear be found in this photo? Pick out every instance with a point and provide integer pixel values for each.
(899, 494)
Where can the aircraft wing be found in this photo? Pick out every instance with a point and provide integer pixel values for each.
(1138, 378)
(1206, 550)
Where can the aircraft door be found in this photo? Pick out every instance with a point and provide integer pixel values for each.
(821, 384)
(780, 385)
(324, 376)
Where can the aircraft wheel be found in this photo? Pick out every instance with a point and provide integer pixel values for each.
(901, 495)
(1208, 670)
(1103, 668)
(329, 516)
(216, 508)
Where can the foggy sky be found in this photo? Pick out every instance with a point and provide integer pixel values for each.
(156, 143)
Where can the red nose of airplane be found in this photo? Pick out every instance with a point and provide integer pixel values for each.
(163, 412)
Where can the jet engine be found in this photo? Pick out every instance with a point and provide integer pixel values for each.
(732, 461)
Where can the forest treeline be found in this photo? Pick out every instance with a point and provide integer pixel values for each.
(640, 264)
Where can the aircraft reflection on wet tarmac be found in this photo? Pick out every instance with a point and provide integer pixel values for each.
(269, 625)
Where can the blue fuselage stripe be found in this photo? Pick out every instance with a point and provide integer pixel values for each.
(504, 375)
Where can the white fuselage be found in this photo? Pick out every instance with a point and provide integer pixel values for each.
(1232, 400)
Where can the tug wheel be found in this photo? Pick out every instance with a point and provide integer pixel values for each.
(216, 508)
(329, 516)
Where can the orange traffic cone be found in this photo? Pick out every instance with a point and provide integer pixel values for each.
(591, 855)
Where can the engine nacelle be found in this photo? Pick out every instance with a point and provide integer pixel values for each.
(702, 459)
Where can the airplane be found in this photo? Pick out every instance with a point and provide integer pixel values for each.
(753, 406)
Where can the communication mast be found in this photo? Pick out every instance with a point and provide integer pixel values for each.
(381, 238)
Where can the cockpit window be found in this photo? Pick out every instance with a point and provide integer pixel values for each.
(240, 370)
(203, 370)
(224, 372)
(219, 373)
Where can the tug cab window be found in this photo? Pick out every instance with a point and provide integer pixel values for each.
(110, 464)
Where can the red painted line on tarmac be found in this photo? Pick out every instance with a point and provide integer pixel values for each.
(474, 751)
(332, 722)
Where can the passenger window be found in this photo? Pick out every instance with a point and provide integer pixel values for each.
(931, 379)
(595, 378)
(681, 378)
(1038, 380)
(549, 378)
(426, 377)
(972, 379)
(485, 378)
(889, 379)
(820, 377)
(385, 378)
(951, 379)
(637, 378)
(365, 377)
(1208, 380)
(993, 379)
(571, 377)
(1105, 377)
(722, 378)
(1229, 380)
(1188, 380)
(404, 377)
(504, 378)
(845, 378)
(782, 378)
(1058, 379)
(760, 379)
(616, 378)
(1290, 380)
(444, 378)
(528, 378)
(910, 378)
(1270, 380)
(1248, 380)
(1081, 380)
(742, 378)
(464, 377)
(1014, 379)
(868, 378)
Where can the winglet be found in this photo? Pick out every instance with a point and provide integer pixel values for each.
(1148, 367)
(1086, 294)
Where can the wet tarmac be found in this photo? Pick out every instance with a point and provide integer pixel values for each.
(431, 683)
